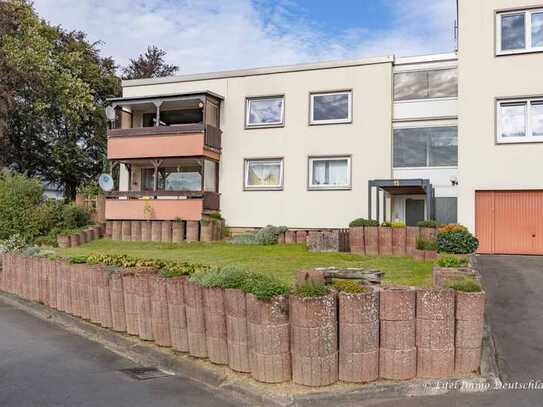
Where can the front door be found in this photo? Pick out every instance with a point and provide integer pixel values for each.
(414, 211)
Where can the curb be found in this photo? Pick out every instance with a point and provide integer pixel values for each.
(148, 354)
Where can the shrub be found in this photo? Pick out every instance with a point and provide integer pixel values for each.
(15, 243)
(48, 240)
(452, 261)
(310, 288)
(398, 224)
(223, 277)
(457, 242)
(349, 286)
(264, 286)
(452, 227)
(363, 222)
(427, 224)
(265, 236)
(467, 285)
(424, 244)
(20, 197)
(386, 224)
(74, 216)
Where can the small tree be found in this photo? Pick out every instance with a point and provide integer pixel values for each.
(149, 65)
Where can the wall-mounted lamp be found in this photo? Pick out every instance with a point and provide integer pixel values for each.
(454, 180)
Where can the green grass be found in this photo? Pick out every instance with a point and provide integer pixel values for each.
(281, 260)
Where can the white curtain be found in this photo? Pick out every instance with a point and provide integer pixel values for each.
(330, 172)
(264, 173)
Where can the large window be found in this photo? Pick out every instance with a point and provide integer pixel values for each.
(520, 121)
(426, 147)
(329, 172)
(425, 84)
(330, 107)
(519, 31)
(446, 209)
(265, 112)
(173, 179)
(263, 174)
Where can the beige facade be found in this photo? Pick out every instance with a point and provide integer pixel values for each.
(366, 139)
(483, 78)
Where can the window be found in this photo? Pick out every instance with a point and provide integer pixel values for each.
(265, 112)
(426, 147)
(519, 31)
(173, 179)
(446, 210)
(332, 107)
(329, 172)
(520, 121)
(210, 175)
(425, 84)
(264, 174)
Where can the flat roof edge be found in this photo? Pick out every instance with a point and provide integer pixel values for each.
(259, 71)
(420, 59)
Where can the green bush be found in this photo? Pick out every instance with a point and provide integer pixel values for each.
(386, 224)
(425, 244)
(467, 285)
(457, 242)
(74, 217)
(21, 201)
(265, 236)
(363, 222)
(452, 261)
(428, 224)
(398, 224)
(311, 288)
(349, 286)
(264, 286)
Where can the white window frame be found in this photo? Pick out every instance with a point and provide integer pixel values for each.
(348, 119)
(528, 138)
(313, 187)
(527, 31)
(249, 125)
(277, 187)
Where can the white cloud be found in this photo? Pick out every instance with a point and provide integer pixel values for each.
(208, 35)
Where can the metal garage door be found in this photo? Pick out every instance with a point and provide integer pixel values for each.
(509, 222)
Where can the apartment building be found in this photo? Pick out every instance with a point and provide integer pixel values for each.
(453, 137)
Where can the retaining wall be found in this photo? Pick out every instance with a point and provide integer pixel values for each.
(164, 230)
(389, 332)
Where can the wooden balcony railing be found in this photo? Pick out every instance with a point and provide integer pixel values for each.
(211, 200)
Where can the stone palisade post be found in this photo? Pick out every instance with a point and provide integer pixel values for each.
(470, 308)
(160, 321)
(126, 230)
(176, 313)
(435, 333)
(314, 341)
(371, 240)
(215, 323)
(178, 231)
(398, 354)
(290, 237)
(359, 336)
(399, 238)
(194, 309)
(192, 233)
(236, 329)
(412, 233)
(356, 240)
(143, 303)
(135, 230)
(104, 298)
(156, 231)
(118, 315)
(166, 236)
(130, 305)
(146, 230)
(269, 345)
(385, 241)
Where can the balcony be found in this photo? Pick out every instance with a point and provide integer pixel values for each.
(165, 126)
(164, 189)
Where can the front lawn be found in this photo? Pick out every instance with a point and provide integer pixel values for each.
(281, 260)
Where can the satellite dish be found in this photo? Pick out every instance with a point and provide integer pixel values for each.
(106, 182)
(110, 113)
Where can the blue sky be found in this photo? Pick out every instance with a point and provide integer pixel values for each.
(210, 35)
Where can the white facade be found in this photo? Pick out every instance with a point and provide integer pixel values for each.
(396, 127)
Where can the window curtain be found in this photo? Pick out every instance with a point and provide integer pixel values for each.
(330, 172)
(264, 174)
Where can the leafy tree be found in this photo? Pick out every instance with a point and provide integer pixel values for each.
(149, 65)
(54, 89)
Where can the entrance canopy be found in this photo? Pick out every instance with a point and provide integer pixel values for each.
(396, 187)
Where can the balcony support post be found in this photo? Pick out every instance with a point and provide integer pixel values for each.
(156, 165)
(157, 105)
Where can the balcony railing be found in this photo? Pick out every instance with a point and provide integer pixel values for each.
(164, 141)
(160, 205)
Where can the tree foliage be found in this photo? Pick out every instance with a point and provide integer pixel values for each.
(53, 95)
(149, 65)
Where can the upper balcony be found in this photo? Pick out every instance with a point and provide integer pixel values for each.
(186, 125)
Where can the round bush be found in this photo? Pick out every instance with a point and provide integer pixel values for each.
(457, 242)
(74, 216)
(363, 222)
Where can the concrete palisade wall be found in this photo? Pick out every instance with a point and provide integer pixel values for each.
(394, 333)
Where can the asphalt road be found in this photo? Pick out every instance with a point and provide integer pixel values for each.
(42, 365)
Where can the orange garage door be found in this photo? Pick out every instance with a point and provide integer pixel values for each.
(509, 222)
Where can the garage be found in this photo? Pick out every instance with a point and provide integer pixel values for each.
(509, 222)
